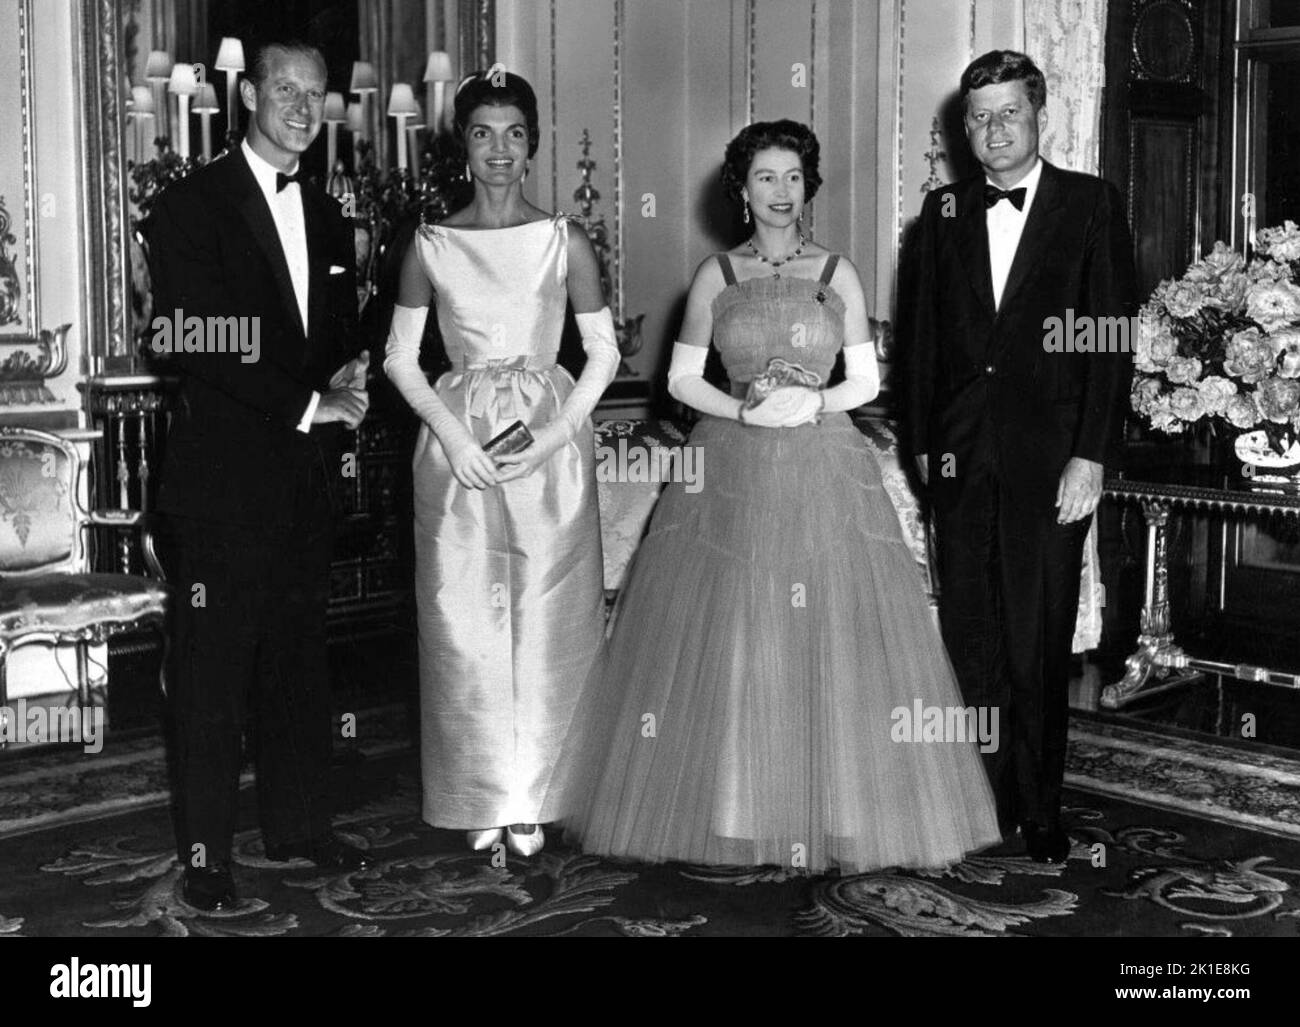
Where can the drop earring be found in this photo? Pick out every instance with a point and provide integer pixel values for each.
(469, 177)
(746, 213)
(525, 178)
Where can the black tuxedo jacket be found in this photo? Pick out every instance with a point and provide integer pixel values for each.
(234, 453)
(981, 386)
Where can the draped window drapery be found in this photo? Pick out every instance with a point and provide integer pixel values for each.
(1067, 40)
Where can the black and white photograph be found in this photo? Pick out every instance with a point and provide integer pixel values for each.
(669, 469)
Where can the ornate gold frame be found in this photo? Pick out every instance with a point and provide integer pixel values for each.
(108, 327)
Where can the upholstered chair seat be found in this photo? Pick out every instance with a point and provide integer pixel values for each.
(91, 607)
(48, 595)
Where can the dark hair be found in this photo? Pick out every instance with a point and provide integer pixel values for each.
(481, 89)
(999, 66)
(771, 135)
(260, 68)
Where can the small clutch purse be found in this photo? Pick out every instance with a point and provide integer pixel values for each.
(779, 374)
(514, 439)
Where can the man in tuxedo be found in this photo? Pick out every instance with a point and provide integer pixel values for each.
(1010, 434)
(244, 250)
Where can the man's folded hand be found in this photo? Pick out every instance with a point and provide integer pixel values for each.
(342, 404)
(352, 375)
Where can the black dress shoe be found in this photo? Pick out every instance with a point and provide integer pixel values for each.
(210, 888)
(1008, 825)
(1012, 845)
(1047, 845)
(329, 852)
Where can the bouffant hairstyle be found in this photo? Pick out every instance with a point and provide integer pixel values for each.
(999, 66)
(496, 87)
(769, 135)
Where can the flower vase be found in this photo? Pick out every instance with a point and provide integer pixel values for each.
(1264, 468)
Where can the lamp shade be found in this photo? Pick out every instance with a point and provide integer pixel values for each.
(364, 79)
(207, 100)
(183, 80)
(159, 66)
(401, 102)
(142, 101)
(334, 109)
(439, 67)
(355, 118)
(230, 55)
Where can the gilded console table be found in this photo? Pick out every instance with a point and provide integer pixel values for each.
(1159, 664)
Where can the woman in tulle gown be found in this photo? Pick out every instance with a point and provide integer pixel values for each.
(508, 570)
(773, 624)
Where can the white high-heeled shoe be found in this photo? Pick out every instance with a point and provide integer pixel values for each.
(485, 839)
(525, 843)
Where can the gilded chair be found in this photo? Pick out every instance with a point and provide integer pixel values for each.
(48, 595)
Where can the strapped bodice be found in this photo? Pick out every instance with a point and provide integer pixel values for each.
(800, 320)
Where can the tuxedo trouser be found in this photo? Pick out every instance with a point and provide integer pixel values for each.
(248, 649)
(1009, 596)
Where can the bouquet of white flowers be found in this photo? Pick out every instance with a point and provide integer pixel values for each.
(1222, 344)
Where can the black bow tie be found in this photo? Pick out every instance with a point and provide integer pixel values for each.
(281, 180)
(992, 194)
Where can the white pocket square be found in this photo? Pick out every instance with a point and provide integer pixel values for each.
(337, 269)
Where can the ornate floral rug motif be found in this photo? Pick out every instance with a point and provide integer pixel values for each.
(1133, 871)
(1220, 782)
(40, 789)
(1259, 790)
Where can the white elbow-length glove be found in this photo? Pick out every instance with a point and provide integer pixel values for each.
(471, 466)
(861, 380)
(601, 347)
(784, 408)
(794, 405)
(687, 385)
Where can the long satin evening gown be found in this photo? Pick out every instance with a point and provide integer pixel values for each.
(771, 630)
(508, 580)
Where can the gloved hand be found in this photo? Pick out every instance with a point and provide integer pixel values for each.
(547, 441)
(573, 420)
(787, 407)
(469, 464)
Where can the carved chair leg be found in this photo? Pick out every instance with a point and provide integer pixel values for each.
(166, 654)
(4, 696)
(83, 673)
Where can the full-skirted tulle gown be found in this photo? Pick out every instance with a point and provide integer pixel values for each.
(508, 580)
(770, 626)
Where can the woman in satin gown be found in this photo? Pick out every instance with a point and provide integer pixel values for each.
(508, 572)
(773, 623)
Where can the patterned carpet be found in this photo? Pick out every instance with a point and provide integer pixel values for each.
(1135, 870)
(1228, 784)
(40, 789)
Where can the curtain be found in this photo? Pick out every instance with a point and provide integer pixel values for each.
(1067, 40)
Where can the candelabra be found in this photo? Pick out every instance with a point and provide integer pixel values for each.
(380, 200)
(586, 195)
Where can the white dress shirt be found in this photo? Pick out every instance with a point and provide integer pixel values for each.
(291, 226)
(1005, 225)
